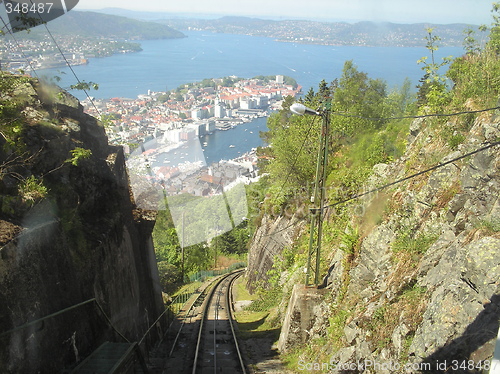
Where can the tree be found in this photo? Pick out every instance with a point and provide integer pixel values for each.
(470, 43)
(310, 95)
(494, 41)
(323, 90)
(476, 75)
(435, 85)
(359, 96)
(170, 277)
(292, 140)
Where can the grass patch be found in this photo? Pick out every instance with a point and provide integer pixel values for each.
(266, 300)
(240, 291)
(291, 359)
(336, 329)
(491, 226)
(254, 325)
(253, 322)
(406, 242)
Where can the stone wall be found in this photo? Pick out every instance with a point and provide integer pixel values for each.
(84, 240)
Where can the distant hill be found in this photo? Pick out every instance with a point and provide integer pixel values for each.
(152, 16)
(98, 25)
(329, 33)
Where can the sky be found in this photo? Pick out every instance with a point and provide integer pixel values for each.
(398, 11)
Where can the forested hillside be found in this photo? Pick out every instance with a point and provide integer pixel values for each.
(98, 25)
(328, 33)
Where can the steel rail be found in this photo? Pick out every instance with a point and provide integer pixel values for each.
(229, 278)
(203, 293)
(231, 320)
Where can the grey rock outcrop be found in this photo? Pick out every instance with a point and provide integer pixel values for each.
(85, 239)
(272, 236)
(423, 286)
(456, 280)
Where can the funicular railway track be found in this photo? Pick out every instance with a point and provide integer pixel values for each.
(206, 341)
(217, 349)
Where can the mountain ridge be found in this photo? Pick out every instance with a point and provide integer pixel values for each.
(99, 25)
(364, 33)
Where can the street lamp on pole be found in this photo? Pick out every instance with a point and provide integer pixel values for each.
(301, 109)
(318, 198)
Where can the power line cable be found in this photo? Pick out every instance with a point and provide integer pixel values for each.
(357, 196)
(18, 46)
(67, 62)
(414, 175)
(414, 117)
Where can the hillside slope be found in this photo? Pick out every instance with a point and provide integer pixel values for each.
(97, 25)
(328, 33)
(419, 283)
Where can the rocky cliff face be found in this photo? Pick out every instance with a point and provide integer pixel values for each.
(420, 287)
(78, 238)
(272, 236)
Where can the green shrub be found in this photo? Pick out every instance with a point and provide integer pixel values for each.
(32, 190)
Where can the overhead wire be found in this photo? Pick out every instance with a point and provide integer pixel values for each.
(6, 27)
(416, 116)
(67, 62)
(60, 51)
(435, 167)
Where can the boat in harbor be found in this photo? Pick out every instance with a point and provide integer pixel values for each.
(231, 146)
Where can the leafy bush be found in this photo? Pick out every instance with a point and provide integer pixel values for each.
(79, 154)
(32, 190)
(170, 277)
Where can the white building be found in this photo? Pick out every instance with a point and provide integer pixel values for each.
(172, 136)
(248, 103)
(197, 113)
(219, 111)
(261, 101)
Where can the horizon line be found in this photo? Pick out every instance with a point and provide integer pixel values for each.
(194, 15)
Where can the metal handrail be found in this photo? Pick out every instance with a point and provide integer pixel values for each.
(47, 317)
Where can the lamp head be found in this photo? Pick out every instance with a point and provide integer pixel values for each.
(301, 109)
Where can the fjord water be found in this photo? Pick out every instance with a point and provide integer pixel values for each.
(167, 64)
